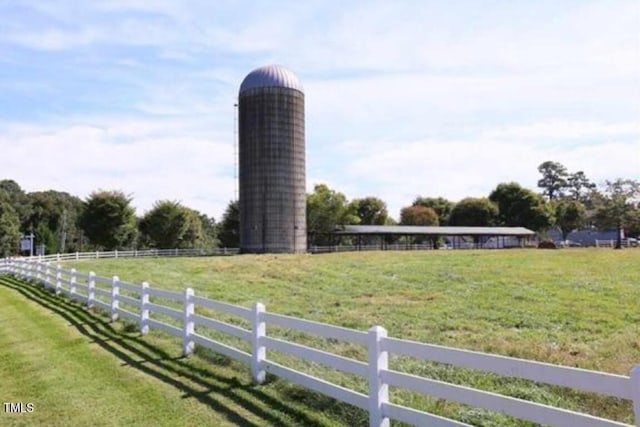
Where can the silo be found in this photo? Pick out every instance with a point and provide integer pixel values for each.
(272, 162)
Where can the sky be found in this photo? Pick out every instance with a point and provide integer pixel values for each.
(403, 98)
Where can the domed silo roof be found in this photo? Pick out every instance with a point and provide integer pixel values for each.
(271, 76)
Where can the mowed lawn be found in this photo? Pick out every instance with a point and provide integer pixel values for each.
(576, 307)
(76, 369)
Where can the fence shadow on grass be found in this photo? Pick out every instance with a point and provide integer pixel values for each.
(206, 385)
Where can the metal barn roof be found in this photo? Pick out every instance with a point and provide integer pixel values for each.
(271, 76)
(434, 231)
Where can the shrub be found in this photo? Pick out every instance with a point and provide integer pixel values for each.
(547, 244)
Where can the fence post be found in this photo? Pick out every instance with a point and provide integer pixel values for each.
(91, 285)
(47, 276)
(378, 391)
(635, 393)
(38, 272)
(58, 279)
(72, 284)
(115, 291)
(259, 351)
(97, 254)
(116, 254)
(187, 334)
(144, 309)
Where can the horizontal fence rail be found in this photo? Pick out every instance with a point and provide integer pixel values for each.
(142, 302)
(149, 253)
(192, 252)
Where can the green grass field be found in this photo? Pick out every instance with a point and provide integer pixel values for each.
(77, 369)
(571, 307)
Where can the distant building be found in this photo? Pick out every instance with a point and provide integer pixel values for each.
(586, 237)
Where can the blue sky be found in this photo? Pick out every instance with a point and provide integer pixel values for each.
(403, 98)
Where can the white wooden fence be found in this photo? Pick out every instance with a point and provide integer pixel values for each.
(611, 243)
(135, 254)
(80, 286)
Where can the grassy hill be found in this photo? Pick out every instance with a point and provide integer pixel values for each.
(571, 307)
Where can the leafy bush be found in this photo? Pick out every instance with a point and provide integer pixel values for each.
(547, 244)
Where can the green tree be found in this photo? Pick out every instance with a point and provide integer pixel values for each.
(327, 209)
(209, 230)
(195, 235)
(579, 186)
(570, 215)
(57, 213)
(44, 236)
(474, 212)
(520, 207)
(108, 220)
(554, 179)
(369, 210)
(418, 215)
(9, 226)
(440, 205)
(619, 206)
(170, 225)
(228, 228)
(17, 198)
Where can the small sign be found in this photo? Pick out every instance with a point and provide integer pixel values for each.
(25, 244)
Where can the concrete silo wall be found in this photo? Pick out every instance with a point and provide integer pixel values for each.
(272, 170)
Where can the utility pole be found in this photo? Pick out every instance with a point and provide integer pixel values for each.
(235, 150)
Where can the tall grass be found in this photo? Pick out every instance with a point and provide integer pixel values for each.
(571, 307)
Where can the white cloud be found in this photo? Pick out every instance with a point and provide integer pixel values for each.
(403, 98)
(398, 171)
(81, 159)
(565, 129)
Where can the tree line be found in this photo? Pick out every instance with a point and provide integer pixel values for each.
(567, 200)
(106, 220)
